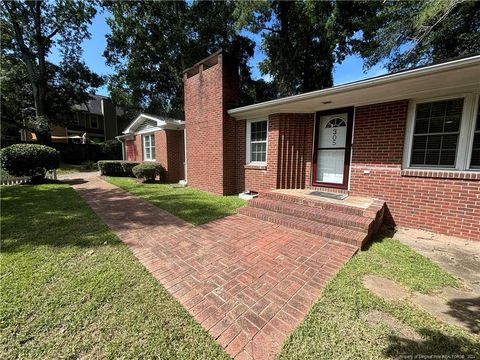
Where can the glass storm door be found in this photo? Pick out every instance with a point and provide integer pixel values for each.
(332, 156)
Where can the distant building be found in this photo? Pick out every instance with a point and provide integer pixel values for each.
(98, 118)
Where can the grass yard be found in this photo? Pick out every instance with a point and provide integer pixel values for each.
(71, 289)
(195, 206)
(336, 327)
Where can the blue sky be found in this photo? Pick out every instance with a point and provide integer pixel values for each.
(351, 69)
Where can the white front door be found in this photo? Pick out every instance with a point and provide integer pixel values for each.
(331, 148)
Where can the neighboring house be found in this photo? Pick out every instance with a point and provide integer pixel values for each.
(411, 139)
(156, 138)
(98, 118)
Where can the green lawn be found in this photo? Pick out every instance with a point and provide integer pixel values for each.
(336, 327)
(71, 289)
(195, 206)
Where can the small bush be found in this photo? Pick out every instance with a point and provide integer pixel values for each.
(147, 171)
(116, 167)
(128, 166)
(30, 160)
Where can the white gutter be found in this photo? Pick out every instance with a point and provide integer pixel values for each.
(380, 80)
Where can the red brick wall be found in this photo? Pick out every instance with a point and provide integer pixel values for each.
(130, 150)
(294, 150)
(169, 152)
(289, 154)
(448, 206)
(211, 133)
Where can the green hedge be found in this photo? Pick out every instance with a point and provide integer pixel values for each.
(117, 167)
(148, 171)
(30, 160)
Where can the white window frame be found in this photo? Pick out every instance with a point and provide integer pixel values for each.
(472, 135)
(248, 143)
(90, 119)
(152, 148)
(465, 136)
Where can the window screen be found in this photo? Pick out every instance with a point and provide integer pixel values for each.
(435, 138)
(258, 141)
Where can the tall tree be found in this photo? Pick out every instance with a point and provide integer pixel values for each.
(405, 34)
(30, 29)
(152, 42)
(303, 39)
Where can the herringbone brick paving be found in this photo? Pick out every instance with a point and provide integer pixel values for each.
(247, 281)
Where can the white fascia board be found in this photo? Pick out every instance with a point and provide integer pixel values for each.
(263, 108)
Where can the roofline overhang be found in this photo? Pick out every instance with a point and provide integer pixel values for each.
(162, 123)
(249, 110)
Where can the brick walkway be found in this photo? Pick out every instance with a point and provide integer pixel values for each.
(248, 282)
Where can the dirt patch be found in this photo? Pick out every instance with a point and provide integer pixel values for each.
(379, 318)
(458, 256)
(454, 306)
(384, 288)
(457, 308)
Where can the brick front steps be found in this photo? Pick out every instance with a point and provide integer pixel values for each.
(332, 221)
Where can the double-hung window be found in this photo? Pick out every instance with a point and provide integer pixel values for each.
(444, 134)
(94, 121)
(475, 158)
(257, 134)
(149, 147)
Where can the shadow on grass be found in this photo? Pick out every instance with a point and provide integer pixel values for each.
(435, 345)
(467, 311)
(124, 210)
(48, 214)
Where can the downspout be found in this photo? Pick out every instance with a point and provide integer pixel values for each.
(123, 146)
(185, 153)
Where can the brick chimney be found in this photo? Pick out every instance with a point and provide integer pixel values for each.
(210, 88)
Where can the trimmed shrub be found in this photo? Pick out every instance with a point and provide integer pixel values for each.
(148, 171)
(30, 160)
(116, 167)
(128, 166)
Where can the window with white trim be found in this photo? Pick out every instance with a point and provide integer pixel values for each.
(149, 147)
(444, 134)
(257, 134)
(475, 158)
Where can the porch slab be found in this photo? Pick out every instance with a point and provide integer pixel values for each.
(354, 201)
(247, 281)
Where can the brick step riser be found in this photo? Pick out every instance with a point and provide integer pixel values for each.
(303, 227)
(309, 215)
(311, 203)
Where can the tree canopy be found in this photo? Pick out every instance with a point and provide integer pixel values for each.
(151, 43)
(30, 30)
(303, 39)
(405, 34)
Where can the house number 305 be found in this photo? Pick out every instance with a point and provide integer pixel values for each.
(334, 137)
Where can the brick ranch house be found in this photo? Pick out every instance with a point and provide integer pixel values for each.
(156, 138)
(410, 139)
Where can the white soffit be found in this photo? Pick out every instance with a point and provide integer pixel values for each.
(452, 77)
